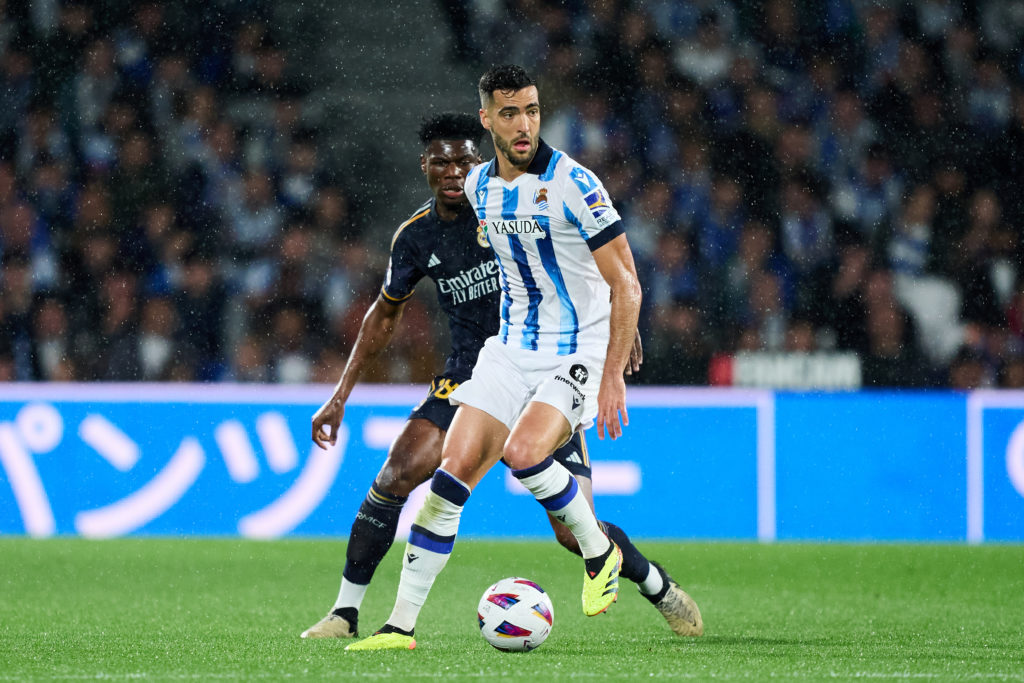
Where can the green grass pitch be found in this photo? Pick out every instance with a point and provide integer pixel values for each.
(164, 609)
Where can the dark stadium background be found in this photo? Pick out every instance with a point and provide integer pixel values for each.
(204, 191)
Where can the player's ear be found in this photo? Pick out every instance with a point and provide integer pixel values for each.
(484, 121)
(423, 163)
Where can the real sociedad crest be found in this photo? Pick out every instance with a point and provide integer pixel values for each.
(541, 199)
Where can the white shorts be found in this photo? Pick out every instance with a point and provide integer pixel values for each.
(506, 379)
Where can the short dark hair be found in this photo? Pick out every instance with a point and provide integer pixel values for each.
(451, 126)
(507, 78)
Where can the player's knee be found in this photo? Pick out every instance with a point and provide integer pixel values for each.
(519, 454)
(400, 475)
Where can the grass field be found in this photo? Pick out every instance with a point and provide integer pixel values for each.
(230, 609)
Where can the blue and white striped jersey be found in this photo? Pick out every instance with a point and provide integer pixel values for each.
(543, 227)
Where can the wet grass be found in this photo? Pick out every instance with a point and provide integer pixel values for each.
(228, 609)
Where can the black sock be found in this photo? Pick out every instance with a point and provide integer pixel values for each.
(634, 565)
(594, 564)
(349, 614)
(373, 532)
(388, 628)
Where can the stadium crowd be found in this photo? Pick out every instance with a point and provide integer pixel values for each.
(800, 175)
(795, 176)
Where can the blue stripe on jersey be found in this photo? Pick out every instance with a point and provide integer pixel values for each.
(481, 213)
(531, 326)
(571, 217)
(509, 203)
(481, 194)
(549, 174)
(584, 181)
(570, 323)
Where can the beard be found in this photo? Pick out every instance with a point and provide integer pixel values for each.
(518, 159)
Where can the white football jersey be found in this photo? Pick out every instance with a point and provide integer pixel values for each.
(543, 227)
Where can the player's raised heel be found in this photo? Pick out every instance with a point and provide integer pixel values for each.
(331, 626)
(601, 588)
(678, 608)
(384, 641)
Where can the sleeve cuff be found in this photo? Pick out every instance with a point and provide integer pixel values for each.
(392, 299)
(605, 236)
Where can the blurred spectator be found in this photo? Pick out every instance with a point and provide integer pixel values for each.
(807, 243)
(984, 260)
(680, 350)
(1011, 376)
(764, 312)
(800, 337)
(892, 358)
(158, 340)
(708, 56)
(868, 200)
(968, 370)
(95, 85)
(200, 302)
(291, 354)
(249, 361)
(718, 228)
(41, 136)
(117, 357)
(52, 349)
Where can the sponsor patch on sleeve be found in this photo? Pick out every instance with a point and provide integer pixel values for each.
(599, 208)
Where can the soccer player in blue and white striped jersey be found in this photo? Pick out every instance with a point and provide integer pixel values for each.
(568, 313)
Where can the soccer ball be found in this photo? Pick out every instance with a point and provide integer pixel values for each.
(515, 615)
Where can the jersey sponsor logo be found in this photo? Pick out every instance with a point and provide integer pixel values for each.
(470, 284)
(526, 226)
(371, 520)
(596, 203)
(541, 199)
(579, 373)
(572, 385)
(605, 219)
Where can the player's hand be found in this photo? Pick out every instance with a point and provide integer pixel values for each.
(611, 403)
(636, 355)
(326, 422)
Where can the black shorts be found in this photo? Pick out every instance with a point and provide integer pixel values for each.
(435, 408)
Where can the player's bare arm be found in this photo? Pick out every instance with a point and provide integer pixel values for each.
(375, 334)
(636, 356)
(615, 262)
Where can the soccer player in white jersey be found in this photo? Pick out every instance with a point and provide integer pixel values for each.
(568, 312)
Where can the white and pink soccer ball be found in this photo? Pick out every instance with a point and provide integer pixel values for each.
(515, 615)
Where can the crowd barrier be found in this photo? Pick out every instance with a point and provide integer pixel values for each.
(111, 460)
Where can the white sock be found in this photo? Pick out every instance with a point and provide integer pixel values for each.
(653, 583)
(556, 489)
(350, 594)
(430, 545)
